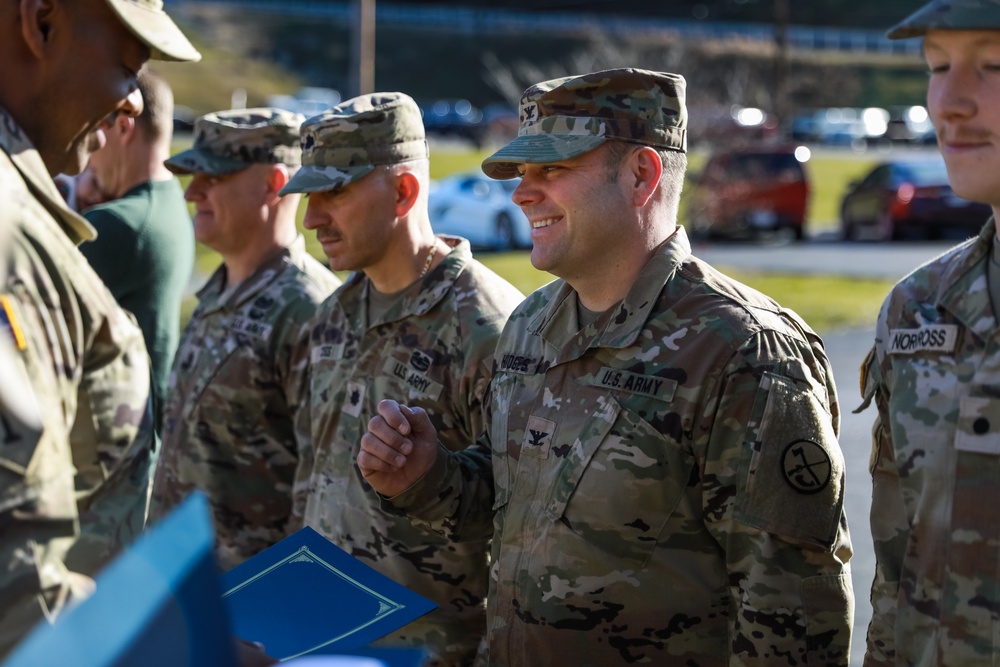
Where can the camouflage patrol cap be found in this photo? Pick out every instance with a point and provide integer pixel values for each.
(344, 143)
(229, 141)
(949, 15)
(150, 24)
(564, 118)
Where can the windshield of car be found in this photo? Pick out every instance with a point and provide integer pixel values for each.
(927, 173)
(755, 167)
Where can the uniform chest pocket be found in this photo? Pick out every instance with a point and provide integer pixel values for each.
(619, 481)
(225, 381)
(978, 428)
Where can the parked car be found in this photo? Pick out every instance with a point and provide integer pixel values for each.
(457, 119)
(747, 192)
(904, 198)
(480, 209)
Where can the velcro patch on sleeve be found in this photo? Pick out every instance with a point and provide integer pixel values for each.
(795, 468)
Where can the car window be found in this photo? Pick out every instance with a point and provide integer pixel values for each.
(928, 173)
(781, 167)
(880, 177)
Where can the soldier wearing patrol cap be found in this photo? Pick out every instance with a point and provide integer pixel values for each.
(934, 375)
(659, 467)
(237, 376)
(418, 318)
(79, 457)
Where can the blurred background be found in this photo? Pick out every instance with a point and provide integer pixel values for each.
(810, 97)
(814, 174)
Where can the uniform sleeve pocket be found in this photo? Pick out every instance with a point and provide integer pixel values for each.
(792, 469)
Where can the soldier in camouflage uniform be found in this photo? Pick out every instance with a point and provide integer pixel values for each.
(934, 375)
(419, 318)
(228, 420)
(659, 467)
(67, 65)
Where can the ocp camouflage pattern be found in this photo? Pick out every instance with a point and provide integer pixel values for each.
(663, 486)
(229, 141)
(569, 116)
(949, 15)
(85, 466)
(433, 348)
(235, 383)
(344, 143)
(933, 375)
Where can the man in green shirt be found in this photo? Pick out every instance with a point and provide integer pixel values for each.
(144, 251)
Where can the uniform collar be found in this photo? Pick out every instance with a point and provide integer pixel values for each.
(963, 288)
(29, 163)
(619, 327)
(418, 298)
(213, 297)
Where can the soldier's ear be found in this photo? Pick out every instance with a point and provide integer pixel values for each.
(278, 179)
(37, 18)
(126, 125)
(643, 169)
(407, 193)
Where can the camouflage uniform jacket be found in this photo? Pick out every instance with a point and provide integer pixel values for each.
(935, 378)
(433, 348)
(73, 487)
(228, 421)
(666, 486)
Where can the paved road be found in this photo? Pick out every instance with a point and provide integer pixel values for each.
(846, 350)
(825, 256)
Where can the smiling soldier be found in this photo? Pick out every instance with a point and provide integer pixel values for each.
(659, 467)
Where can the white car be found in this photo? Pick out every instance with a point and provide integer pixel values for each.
(479, 208)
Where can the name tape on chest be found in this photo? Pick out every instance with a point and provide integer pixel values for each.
(418, 383)
(245, 325)
(634, 383)
(326, 352)
(931, 338)
(520, 363)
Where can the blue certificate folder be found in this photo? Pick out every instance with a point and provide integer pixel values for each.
(156, 605)
(306, 595)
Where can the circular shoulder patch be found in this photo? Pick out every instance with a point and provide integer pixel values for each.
(806, 466)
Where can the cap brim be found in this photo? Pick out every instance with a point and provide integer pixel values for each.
(156, 30)
(916, 24)
(538, 149)
(196, 160)
(313, 178)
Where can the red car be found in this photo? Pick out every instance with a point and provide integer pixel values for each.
(908, 198)
(745, 193)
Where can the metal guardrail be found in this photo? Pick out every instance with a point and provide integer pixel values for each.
(472, 21)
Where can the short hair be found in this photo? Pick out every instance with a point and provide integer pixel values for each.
(674, 167)
(157, 117)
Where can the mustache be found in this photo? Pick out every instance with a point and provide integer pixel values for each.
(963, 135)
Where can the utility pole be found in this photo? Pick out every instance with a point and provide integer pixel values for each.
(363, 48)
(781, 102)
